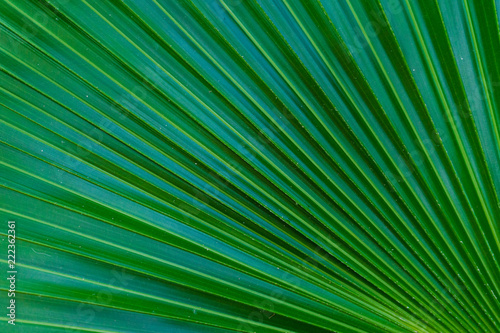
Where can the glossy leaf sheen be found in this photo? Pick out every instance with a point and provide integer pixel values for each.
(251, 165)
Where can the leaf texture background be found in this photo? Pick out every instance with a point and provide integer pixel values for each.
(251, 165)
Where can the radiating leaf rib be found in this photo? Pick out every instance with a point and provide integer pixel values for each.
(423, 148)
(256, 166)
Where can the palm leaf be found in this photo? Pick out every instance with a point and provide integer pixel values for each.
(250, 165)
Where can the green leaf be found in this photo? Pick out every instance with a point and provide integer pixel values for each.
(251, 165)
